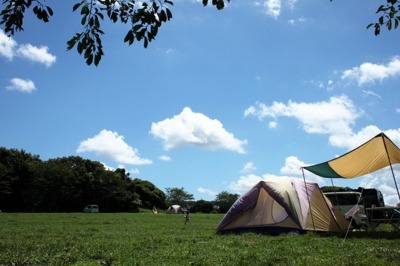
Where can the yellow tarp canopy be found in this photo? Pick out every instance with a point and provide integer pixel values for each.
(373, 155)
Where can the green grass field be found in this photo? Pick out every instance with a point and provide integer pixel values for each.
(148, 239)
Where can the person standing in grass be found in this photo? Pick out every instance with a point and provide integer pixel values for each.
(187, 217)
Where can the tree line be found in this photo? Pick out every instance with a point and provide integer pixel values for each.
(68, 184)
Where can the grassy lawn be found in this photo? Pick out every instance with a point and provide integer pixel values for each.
(148, 239)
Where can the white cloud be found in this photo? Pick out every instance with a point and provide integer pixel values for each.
(195, 129)
(107, 167)
(121, 166)
(355, 139)
(36, 54)
(292, 166)
(273, 7)
(244, 183)
(371, 93)
(207, 191)
(134, 171)
(398, 110)
(110, 145)
(7, 46)
(10, 49)
(334, 117)
(272, 124)
(165, 158)
(301, 19)
(248, 167)
(22, 85)
(270, 7)
(370, 72)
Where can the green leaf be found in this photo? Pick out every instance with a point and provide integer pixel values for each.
(389, 24)
(85, 10)
(50, 10)
(377, 29)
(169, 14)
(128, 36)
(83, 21)
(76, 6)
(80, 47)
(71, 43)
(97, 59)
(89, 60)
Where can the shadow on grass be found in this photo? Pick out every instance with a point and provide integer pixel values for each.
(365, 234)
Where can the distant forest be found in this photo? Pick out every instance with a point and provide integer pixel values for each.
(68, 184)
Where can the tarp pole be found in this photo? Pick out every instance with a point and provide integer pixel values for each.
(308, 197)
(391, 167)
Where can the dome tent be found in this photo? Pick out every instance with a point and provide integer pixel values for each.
(283, 205)
(176, 209)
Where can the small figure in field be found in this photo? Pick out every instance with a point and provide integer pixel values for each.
(187, 217)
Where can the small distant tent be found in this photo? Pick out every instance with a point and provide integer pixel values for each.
(175, 209)
(283, 205)
(155, 211)
(377, 153)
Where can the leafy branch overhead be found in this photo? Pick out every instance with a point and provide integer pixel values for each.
(144, 18)
(390, 16)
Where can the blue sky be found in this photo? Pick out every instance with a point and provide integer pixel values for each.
(219, 101)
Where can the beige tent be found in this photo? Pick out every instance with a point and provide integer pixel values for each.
(282, 205)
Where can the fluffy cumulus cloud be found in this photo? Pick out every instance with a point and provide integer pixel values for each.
(10, 49)
(112, 146)
(7, 46)
(36, 54)
(371, 72)
(195, 129)
(334, 117)
(22, 85)
(244, 183)
(293, 167)
(364, 134)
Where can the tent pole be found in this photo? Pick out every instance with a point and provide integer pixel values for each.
(308, 197)
(391, 167)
